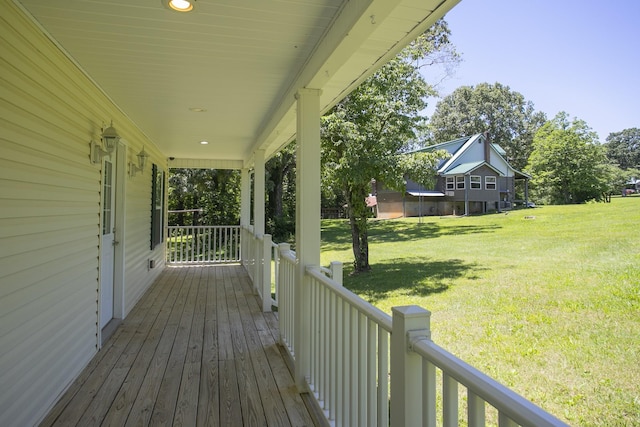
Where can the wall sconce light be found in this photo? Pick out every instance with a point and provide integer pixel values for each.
(142, 161)
(109, 139)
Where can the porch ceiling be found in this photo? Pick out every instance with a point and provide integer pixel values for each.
(240, 60)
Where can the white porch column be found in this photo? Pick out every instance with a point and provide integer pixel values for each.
(258, 193)
(245, 214)
(307, 219)
(245, 197)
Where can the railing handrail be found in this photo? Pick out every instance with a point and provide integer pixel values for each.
(289, 256)
(505, 400)
(203, 226)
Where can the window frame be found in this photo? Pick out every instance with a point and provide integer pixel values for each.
(157, 206)
(450, 183)
(494, 183)
(475, 182)
(458, 182)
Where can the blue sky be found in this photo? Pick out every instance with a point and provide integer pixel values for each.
(582, 57)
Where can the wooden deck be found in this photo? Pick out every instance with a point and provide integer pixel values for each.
(196, 350)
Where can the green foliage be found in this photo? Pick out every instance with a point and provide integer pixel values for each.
(420, 167)
(623, 148)
(567, 163)
(509, 119)
(617, 178)
(364, 134)
(216, 192)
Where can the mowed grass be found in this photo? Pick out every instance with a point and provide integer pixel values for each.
(545, 300)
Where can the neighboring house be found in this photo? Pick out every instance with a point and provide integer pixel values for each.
(477, 178)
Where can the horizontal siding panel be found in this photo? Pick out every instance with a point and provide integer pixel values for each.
(50, 151)
(30, 228)
(12, 208)
(49, 222)
(57, 262)
(81, 349)
(138, 239)
(45, 192)
(38, 369)
(37, 328)
(49, 70)
(49, 242)
(50, 218)
(42, 105)
(43, 118)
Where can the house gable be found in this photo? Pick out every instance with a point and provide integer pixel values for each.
(473, 150)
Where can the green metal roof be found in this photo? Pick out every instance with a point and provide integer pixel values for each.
(464, 168)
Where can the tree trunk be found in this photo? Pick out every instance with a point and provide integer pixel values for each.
(278, 192)
(359, 230)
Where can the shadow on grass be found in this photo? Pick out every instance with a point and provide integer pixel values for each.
(336, 234)
(411, 277)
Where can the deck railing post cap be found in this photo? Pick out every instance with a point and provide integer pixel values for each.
(408, 311)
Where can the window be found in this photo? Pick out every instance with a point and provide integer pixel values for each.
(108, 200)
(157, 206)
(450, 183)
(489, 182)
(476, 182)
(460, 182)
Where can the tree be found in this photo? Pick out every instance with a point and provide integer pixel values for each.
(281, 190)
(364, 134)
(215, 192)
(617, 179)
(509, 119)
(567, 163)
(623, 148)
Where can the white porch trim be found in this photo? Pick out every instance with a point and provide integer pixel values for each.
(245, 197)
(258, 193)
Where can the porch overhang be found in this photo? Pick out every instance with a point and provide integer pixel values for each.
(227, 73)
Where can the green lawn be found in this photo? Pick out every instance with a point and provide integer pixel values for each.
(545, 300)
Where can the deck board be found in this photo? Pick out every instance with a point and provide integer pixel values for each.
(196, 350)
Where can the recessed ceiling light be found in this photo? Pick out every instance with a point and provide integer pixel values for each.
(197, 109)
(181, 5)
(204, 142)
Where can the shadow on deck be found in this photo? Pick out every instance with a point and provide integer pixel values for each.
(195, 350)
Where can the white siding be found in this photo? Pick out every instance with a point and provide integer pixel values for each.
(499, 163)
(50, 218)
(138, 239)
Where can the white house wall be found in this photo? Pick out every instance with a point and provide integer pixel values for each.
(474, 153)
(498, 162)
(50, 218)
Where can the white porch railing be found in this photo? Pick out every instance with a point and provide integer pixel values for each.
(258, 262)
(364, 367)
(203, 244)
